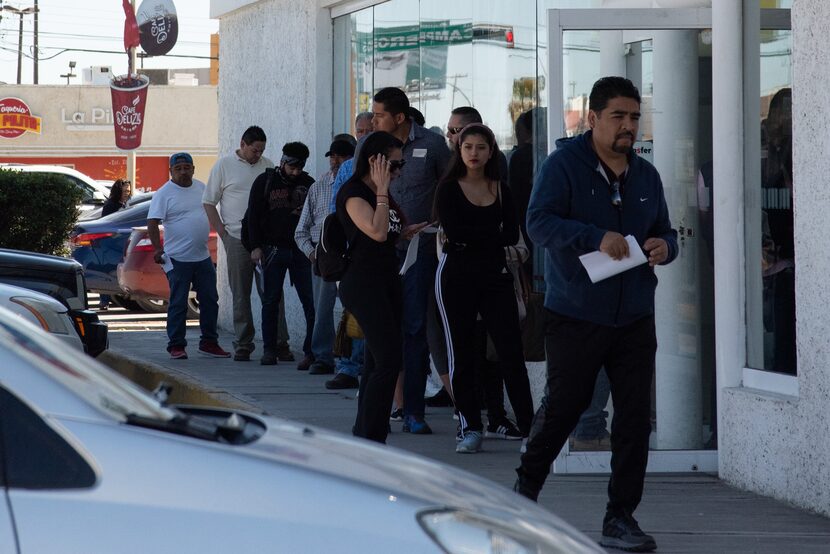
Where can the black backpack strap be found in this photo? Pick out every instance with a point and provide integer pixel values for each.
(270, 173)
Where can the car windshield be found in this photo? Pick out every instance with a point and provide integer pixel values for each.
(97, 385)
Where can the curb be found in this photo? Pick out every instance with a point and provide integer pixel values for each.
(147, 375)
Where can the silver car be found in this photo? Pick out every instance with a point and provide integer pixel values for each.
(94, 464)
(41, 310)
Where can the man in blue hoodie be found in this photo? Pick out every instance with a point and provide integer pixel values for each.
(589, 195)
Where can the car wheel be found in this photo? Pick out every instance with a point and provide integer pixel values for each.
(192, 307)
(152, 305)
(126, 303)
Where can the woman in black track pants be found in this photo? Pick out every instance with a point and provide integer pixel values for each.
(478, 218)
(371, 287)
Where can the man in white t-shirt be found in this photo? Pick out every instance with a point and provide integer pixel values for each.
(185, 257)
(228, 187)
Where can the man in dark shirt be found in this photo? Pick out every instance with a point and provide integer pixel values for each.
(425, 157)
(274, 208)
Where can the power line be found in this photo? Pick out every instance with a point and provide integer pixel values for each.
(65, 50)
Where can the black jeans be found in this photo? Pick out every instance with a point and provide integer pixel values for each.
(576, 350)
(464, 289)
(373, 294)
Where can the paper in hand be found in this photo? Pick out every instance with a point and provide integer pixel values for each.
(600, 265)
(412, 250)
(166, 263)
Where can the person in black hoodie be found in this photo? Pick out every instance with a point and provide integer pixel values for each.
(589, 194)
(274, 207)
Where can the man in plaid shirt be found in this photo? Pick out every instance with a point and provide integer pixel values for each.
(307, 235)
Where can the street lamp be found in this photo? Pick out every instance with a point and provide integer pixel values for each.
(21, 13)
(69, 73)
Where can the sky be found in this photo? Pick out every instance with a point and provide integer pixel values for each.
(94, 25)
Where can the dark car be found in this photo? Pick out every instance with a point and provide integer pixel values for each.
(99, 246)
(62, 279)
(134, 200)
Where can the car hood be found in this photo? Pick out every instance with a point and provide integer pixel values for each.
(396, 472)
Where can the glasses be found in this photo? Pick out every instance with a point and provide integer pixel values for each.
(454, 130)
(395, 165)
(616, 198)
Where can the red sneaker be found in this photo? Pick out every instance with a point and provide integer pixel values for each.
(178, 353)
(213, 350)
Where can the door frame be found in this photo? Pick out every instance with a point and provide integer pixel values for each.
(634, 19)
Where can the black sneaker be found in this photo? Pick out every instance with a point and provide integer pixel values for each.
(524, 487)
(284, 353)
(269, 357)
(504, 430)
(622, 532)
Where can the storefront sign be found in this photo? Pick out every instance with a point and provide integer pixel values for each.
(645, 149)
(158, 26)
(16, 118)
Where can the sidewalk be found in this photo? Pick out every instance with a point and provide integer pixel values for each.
(685, 513)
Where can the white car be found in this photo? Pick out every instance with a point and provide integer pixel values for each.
(43, 311)
(95, 194)
(94, 464)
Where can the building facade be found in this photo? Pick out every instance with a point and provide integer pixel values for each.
(75, 129)
(733, 118)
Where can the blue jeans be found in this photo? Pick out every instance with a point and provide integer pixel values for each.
(275, 263)
(322, 338)
(417, 282)
(202, 277)
(351, 366)
(593, 423)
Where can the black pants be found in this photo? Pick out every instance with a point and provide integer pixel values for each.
(464, 289)
(373, 294)
(576, 350)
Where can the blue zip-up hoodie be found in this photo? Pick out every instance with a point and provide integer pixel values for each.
(570, 211)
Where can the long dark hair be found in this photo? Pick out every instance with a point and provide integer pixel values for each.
(117, 189)
(379, 142)
(456, 168)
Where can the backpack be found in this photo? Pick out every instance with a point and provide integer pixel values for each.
(331, 255)
(246, 238)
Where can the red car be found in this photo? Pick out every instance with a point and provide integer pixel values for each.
(143, 279)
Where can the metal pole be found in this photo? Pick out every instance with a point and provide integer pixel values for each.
(20, 50)
(35, 52)
(131, 157)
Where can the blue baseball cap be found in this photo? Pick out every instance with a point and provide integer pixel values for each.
(181, 157)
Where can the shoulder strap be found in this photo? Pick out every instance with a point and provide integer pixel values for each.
(269, 181)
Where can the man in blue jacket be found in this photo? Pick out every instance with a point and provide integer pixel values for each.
(589, 194)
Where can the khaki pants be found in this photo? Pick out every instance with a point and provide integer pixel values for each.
(241, 275)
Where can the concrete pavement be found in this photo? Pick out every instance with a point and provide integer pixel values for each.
(691, 513)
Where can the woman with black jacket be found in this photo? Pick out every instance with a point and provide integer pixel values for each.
(478, 218)
(371, 287)
(120, 193)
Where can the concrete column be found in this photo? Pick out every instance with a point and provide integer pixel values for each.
(611, 53)
(675, 123)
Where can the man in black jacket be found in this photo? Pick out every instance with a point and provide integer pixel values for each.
(274, 207)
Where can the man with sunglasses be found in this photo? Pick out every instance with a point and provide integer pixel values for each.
(589, 194)
(274, 208)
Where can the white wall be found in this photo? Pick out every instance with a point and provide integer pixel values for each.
(275, 72)
(772, 444)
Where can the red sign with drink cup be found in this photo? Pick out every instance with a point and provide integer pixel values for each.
(129, 97)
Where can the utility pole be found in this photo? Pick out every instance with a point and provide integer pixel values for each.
(21, 13)
(36, 52)
(131, 158)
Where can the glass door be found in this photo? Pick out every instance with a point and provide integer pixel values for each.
(667, 54)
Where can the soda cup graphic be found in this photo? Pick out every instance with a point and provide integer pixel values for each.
(129, 97)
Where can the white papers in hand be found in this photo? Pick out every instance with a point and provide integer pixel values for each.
(166, 263)
(602, 266)
(412, 250)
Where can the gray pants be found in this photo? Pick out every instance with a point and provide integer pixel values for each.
(240, 278)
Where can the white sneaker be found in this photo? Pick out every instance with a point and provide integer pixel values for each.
(523, 449)
(471, 442)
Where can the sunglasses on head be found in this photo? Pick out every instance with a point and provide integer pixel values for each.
(394, 165)
(616, 198)
(454, 130)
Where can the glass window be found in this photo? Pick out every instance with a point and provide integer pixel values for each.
(353, 69)
(771, 264)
